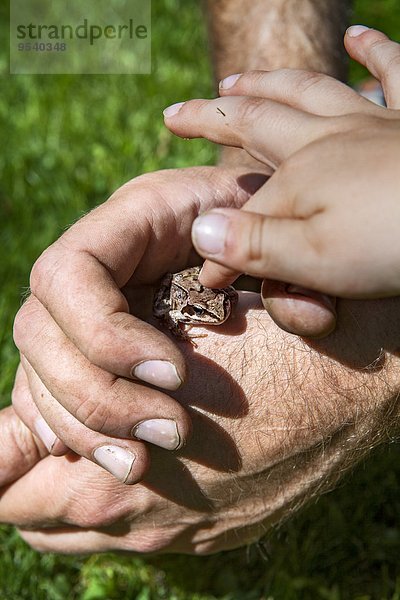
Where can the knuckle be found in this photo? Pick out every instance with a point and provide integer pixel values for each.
(196, 107)
(308, 80)
(300, 83)
(93, 517)
(95, 507)
(93, 344)
(257, 254)
(46, 269)
(248, 110)
(391, 71)
(103, 335)
(355, 124)
(16, 396)
(23, 321)
(377, 51)
(94, 415)
(40, 270)
(99, 340)
(19, 330)
(24, 443)
(254, 77)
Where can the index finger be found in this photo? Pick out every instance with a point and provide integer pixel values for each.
(140, 232)
(84, 299)
(380, 55)
(268, 130)
(308, 91)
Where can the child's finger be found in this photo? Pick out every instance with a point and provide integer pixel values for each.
(260, 245)
(380, 55)
(267, 130)
(308, 91)
(217, 276)
(299, 310)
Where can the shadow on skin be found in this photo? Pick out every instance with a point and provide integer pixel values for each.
(213, 390)
(165, 471)
(209, 386)
(365, 330)
(211, 446)
(251, 182)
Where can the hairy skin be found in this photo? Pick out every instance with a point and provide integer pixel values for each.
(273, 34)
(276, 422)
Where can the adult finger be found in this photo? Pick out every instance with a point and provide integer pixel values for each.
(79, 279)
(97, 256)
(26, 409)
(94, 314)
(380, 55)
(59, 491)
(20, 449)
(311, 92)
(42, 497)
(74, 540)
(125, 459)
(267, 130)
(71, 540)
(102, 402)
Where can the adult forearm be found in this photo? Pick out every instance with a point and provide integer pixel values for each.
(299, 418)
(276, 422)
(273, 34)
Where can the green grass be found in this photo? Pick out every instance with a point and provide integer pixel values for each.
(70, 141)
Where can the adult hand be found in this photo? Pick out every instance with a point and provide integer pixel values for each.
(87, 351)
(276, 422)
(325, 220)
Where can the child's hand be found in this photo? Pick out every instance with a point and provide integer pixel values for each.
(328, 218)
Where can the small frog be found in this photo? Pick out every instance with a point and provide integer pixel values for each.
(182, 300)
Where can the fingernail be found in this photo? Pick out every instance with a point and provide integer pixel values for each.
(161, 432)
(158, 372)
(115, 460)
(229, 82)
(46, 434)
(356, 30)
(172, 110)
(209, 232)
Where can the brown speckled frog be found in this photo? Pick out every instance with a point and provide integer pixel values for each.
(182, 300)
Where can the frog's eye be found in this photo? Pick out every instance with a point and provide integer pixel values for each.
(195, 310)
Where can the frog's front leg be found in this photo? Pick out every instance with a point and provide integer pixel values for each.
(181, 329)
(162, 299)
